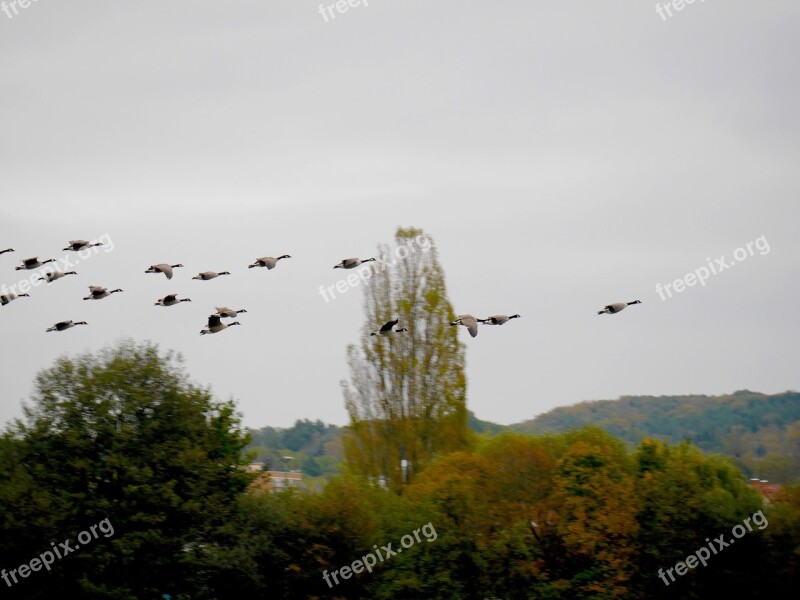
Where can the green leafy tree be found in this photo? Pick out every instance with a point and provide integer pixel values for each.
(407, 394)
(124, 436)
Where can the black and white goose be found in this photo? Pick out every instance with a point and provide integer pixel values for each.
(52, 276)
(163, 268)
(215, 325)
(171, 300)
(6, 298)
(268, 261)
(387, 329)
(468, 321)
(7, 250)
(352, 263)
(611, 309)
(33, 263)
(206, 275)
(98, 293)
(76, 245)
(498, 319)
(62, 325)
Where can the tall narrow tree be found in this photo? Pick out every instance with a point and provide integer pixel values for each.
(407, 394)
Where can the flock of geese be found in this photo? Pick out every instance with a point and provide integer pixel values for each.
(215, 322)
(96, 292)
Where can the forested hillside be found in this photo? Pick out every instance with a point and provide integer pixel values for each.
(760, 432)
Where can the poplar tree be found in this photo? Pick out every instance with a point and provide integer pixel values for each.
(407, 393)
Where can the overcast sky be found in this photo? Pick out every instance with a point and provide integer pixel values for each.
(562, 155)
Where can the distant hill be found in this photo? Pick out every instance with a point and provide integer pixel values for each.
(479, 426)
(760, 432)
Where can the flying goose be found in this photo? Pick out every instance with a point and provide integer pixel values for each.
(33, 263)
(62, 325)
(6, 250)
(224, 311)
(51, 277)
(267, 261)
(171, 300)
(206, 275)
(215, 325)
(468, 321)
(616, 307)
(76, 245)
(98, 293)
(498, 319)
(352, 263)
(163, 268)
(6, 298)
(388, 329)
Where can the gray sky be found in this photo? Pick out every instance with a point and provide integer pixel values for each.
(563, 155)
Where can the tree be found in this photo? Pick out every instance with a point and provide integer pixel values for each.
(596, 519)
(124, 436)
(407, 394)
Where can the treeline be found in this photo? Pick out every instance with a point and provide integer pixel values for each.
(315, 447)
(565, 516)
(760, 432)
(312, 447)
(123, 441)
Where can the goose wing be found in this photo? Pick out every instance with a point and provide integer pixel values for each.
(388, 326)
